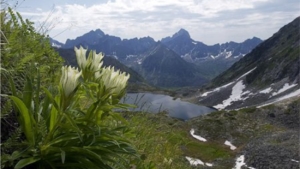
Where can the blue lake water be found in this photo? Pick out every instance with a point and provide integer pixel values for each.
(155, 103)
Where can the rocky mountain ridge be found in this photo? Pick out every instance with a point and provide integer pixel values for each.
(180, 42)
(210, 60)
(195, 51)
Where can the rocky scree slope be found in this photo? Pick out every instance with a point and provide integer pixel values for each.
(267, 137)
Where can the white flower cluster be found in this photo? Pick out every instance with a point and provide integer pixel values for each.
(114, 80)
(92, 64)
(80, 56)
(96, 61)
(69, 79)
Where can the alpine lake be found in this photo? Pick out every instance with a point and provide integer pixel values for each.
(155, 103)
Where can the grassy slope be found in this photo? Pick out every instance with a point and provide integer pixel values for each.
(160, 138)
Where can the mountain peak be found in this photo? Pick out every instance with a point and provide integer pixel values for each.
(181, 32)
(252, 41)
(256, 38)
(86, 39)
(98, 32)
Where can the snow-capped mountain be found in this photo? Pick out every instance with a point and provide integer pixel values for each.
(213, 59)
(268, 74)
(195, 51)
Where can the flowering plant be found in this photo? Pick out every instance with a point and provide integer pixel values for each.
(76, 127)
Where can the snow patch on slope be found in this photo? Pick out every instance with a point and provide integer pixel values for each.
(232, 147)
(216, 89)
(228, 54)
(292, 94)
(265, 91)
(245, 74)
(197, 136)
(236, 95)
(224, 86)
(240, 161)
(194, 161)
(55, 45)
(284, 88)
(209, 164)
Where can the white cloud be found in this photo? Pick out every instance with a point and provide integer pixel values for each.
(208, 21)
(213, 7)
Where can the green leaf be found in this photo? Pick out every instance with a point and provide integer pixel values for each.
(73, 123)
(64, 139)
(91, 110)
(54, 110)
(37, 90)
(24, 162)
(12, 86)
(28, 93)
(15, 155)
(53, 118)
(118, 117)
(26, 122)
(63, 156)
(53, 101)
(45, 108)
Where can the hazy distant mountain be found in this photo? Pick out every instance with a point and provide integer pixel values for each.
(269, 73)
(163, 67)
(111, 45)
(86, 40)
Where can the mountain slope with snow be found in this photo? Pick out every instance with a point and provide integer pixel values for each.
(269, 73)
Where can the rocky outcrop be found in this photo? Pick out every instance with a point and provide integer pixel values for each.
(276, 150)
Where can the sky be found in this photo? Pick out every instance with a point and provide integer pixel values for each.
(207, 21)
